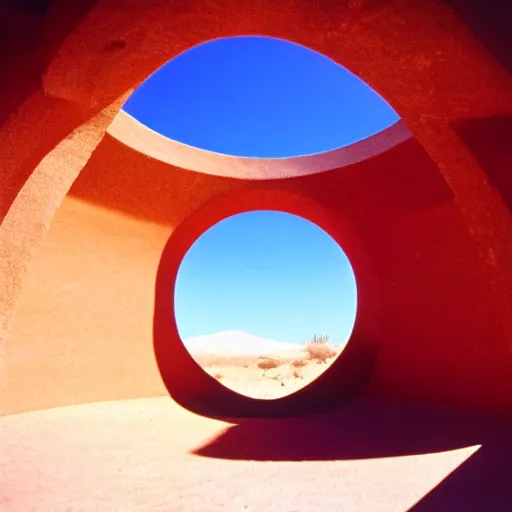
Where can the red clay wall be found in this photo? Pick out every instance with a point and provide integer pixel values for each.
(437, 338)
(437, 229)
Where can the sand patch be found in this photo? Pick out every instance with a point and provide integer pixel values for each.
(243, 375)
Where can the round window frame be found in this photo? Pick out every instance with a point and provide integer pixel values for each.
(192, 387)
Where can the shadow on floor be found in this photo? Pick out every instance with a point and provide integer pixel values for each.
(367, 429)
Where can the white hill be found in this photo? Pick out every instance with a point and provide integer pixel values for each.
(239, 343)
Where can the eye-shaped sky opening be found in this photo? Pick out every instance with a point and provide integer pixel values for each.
(255, 96)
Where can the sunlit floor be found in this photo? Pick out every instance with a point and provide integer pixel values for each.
(151, 455)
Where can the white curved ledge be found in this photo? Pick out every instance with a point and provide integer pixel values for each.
(139, 137)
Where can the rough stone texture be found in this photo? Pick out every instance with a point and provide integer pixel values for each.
(428, 222)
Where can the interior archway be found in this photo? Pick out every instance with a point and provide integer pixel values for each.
(184, 378)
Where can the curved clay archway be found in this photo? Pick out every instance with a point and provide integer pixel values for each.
(426, 206)
(192, 387)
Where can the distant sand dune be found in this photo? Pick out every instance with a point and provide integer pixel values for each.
(238, 343)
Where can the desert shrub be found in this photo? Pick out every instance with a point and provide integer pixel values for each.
(268, 363)
(218, 376)
(318, 350)
(299, 363)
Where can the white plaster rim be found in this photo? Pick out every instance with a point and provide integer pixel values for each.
(139, 137)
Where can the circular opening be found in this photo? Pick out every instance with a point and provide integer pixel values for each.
(264, 302)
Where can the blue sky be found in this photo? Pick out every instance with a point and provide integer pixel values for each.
(266, 273)
(260, 97)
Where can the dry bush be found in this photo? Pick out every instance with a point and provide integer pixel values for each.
(299, 363)
(268, 364)
(218, 376)
(318, 350)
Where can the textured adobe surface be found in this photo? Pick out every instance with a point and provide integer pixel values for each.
(427, 223)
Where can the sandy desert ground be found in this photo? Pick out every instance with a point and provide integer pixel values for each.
(242, 374)
(258, 367)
